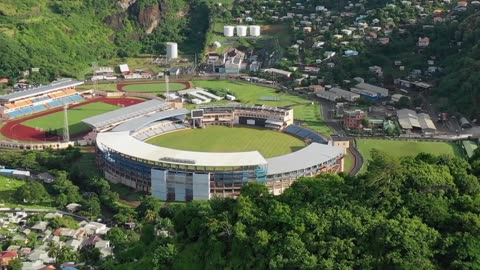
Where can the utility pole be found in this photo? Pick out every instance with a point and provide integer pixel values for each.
(66, 132)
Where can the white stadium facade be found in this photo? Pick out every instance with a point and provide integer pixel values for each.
(177, 175)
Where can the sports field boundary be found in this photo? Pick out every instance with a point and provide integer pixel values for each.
(121, 85)
(15, 130)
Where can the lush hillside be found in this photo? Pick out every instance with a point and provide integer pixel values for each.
(64, 37)
(414, 213)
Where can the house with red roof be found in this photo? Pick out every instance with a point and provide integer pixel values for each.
(6, 257)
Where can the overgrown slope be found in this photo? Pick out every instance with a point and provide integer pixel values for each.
(64, 37)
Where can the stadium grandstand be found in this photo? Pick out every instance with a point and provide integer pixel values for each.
(111, 119)
(178, 175)
(252, 115)
(56, 94)
(305, 134)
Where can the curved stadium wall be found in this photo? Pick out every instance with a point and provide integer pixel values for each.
(176, 175)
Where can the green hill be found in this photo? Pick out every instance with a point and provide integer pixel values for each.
(64, 37)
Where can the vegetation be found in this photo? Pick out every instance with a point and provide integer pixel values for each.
(407, 213)
(225, 139)
(15, 193)
(54, 122)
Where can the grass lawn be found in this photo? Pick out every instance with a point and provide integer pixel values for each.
(348, 162)
(247, 93)
(152, 87)
(100, 87)
(404, 148)
(8, 187)
(54, 121)
(225, 139)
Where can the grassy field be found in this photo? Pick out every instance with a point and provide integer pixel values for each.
(348, 162)
(153, 87)
(54, 121)
(224, 139)
(101, 87)
(8, 186)
(404, 148)
(250, 94)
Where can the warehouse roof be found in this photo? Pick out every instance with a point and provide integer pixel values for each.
(124, 114)
(138, 123)
(312, 155)
(373, 88)
(44, 89)
(123, 143)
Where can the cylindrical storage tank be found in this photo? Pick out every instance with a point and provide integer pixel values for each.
(254, 30)
(172, 50)
(228, 31)
(241, 30)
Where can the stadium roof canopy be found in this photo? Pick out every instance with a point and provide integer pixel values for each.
(313, 154)
(138, 123)
(121, 115)
(123, 143)
(44, 89)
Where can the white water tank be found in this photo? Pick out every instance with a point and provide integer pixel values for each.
(228, 31)
(254, 30)
(241, 30)
(172, 50)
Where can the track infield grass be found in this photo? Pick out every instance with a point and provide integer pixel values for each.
(398, 148)
(54, 121)
(152, 87)
(225, 139)
(248, 93)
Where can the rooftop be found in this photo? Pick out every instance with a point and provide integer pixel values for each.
(124, 114)
(138, 123)
(44, 89)
(312, 155)
(123, 143)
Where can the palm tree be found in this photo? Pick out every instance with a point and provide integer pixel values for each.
(53, 250)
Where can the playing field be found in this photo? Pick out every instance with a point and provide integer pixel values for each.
(152, 87)
(404, 148)
(225, 139)
(54, 121)
(248, 93)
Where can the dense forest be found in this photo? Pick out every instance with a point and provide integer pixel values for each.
(65, 37)
(413, 213)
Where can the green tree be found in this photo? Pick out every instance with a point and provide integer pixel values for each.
(32, 192)
(90, 255)
(15, 264)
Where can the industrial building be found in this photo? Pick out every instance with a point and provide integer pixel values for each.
(347, 95)
(411, 122)
(382, 92)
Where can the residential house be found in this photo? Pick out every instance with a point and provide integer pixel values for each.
(353, 119)
(40, 226)
(6, 257)
(423, 42)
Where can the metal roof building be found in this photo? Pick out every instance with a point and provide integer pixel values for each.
(44, 89)
(347, 95)
(138, 123)
(112, 118)
(409, 119)
(373, 88)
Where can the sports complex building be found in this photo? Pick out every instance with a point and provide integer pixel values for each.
(178, 175)
(42, 98)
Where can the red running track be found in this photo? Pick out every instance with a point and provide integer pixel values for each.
(15, 130)
(121, 85)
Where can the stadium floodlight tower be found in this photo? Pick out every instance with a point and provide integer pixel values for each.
(66, 132)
